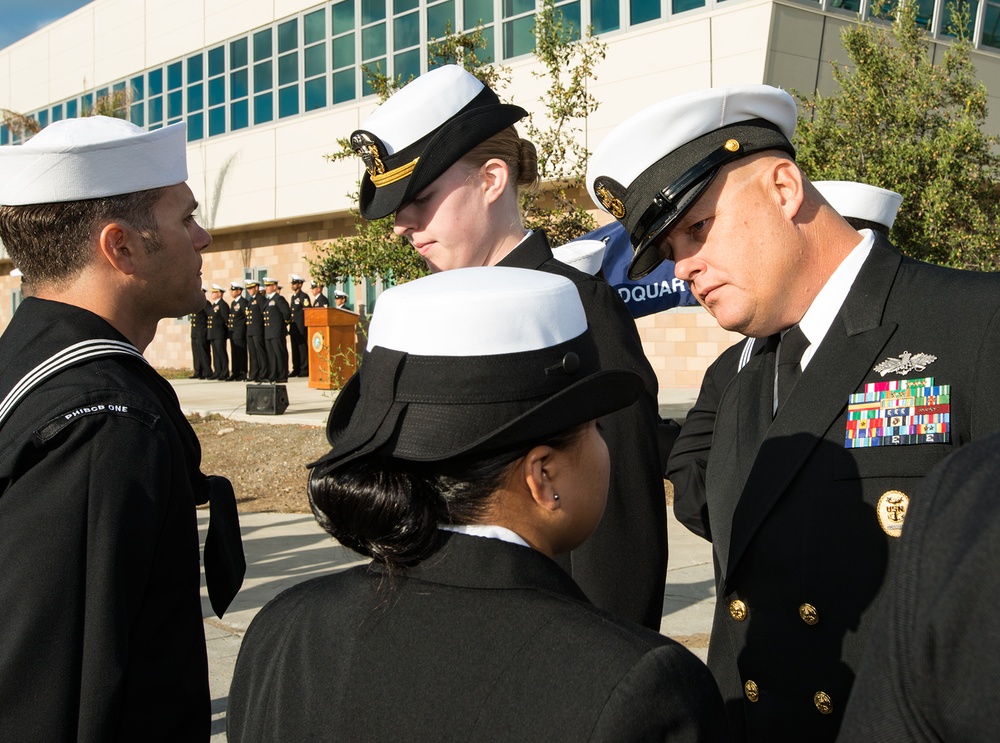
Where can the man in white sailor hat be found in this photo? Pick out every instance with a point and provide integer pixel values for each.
(827, 429)
(104, 638)
(340, 300)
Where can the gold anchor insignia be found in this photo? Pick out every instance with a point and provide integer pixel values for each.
(610, 202)
(367, 150)
(891, 509)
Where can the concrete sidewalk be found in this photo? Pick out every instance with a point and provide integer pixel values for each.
(284, 549)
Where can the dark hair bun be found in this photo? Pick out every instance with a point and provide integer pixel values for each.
(378, 509)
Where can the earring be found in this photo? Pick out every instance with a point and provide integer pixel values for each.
(555, 496)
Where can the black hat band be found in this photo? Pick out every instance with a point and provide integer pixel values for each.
(526, 375)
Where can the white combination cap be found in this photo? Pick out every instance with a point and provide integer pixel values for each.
(583, 255)
(421, 131)
(217, 288)
(861, 201)
(651, 168)
(477, 303)
(90, 158)
(236, 285)
(297, 279)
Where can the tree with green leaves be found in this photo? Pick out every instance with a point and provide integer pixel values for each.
(568, 62)
(901, 122)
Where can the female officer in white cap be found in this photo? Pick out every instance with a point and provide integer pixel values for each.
(465, 456)
(443, 155)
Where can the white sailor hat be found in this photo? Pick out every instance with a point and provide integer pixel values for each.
(217, 288)
(90, 158)
(296, 279)
(517, 364)
(16, 272)
(251, 282)
(651, 168)
(236, 285)
(854, 200)
(421, 131)
(338, 293)
(313, 283)
(584, 255)
(268, 281)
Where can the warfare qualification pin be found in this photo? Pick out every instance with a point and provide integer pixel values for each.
(906, 363)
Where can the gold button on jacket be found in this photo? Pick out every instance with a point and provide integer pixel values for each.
(738, 610)
(809, 614)
(823, 702)
(750, 689)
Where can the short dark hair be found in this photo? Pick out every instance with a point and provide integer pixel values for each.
(50, 242)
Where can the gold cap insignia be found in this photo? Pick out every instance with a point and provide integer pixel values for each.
(731, 145)
(368, 151)
(891, 510)
(609, 201)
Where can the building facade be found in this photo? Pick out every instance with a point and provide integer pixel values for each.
(268, 87)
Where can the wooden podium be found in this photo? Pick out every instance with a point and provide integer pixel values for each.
(332, 335)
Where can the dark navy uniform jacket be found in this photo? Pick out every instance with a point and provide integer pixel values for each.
(804, 520)
(238, 318)
(101, 635)
(623, 565)
(483, 641)
(277, 315)
(255, 314)
(218, 320)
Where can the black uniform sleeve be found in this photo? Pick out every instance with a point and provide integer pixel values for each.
(689, 457)
(669, 695)
(100, 547)
(930, 672)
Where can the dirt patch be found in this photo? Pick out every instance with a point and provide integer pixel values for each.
(265, 462)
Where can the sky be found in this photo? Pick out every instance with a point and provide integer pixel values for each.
(19, 18)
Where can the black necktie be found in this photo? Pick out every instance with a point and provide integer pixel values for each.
(790, 351)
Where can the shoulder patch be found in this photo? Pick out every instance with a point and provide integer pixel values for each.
(47, 431)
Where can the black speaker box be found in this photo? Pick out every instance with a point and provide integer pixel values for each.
(266, 399)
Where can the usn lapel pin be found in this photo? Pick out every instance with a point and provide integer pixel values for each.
(904, 411)
(905, 364)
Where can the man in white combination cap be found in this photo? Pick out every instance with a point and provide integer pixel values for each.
(874, 367)
(103, 636)
(864, 207)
